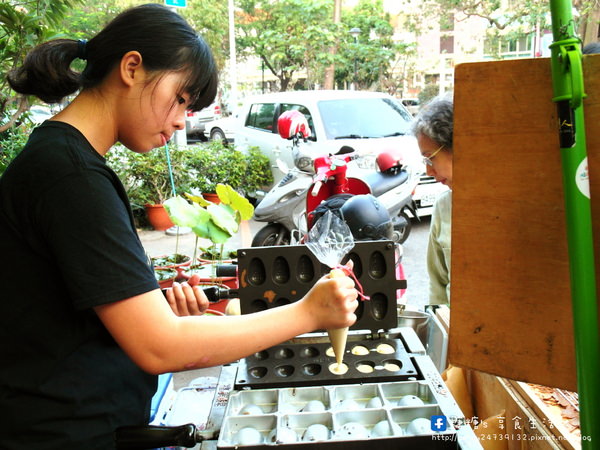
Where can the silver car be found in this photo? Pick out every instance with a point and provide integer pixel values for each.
(195, 121)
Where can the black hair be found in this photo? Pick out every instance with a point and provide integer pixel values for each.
(163, 38)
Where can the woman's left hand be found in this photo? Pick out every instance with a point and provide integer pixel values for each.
(187, 298)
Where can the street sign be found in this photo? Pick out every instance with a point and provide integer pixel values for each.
(176, 3)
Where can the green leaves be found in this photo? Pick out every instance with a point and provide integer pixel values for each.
(216, 222)
(277, 33)
(238, 203)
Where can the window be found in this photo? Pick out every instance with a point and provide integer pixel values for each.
(261, 116)
(446, 44)
(304, 110)
(521, 47)
(364, 118)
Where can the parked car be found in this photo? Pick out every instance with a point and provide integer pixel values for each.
(221, 129)
(195, 121)
(366, 121)
(426, 193)
(412, 104)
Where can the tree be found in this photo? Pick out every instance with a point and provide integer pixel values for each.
(329, 77)
(22, 27)
(85, 21)
(287, 35)
(375, 52)
(525, 15)
(209, 19)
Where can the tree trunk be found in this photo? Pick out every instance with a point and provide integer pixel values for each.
(23, 106)
(329, 81)
(588, 30)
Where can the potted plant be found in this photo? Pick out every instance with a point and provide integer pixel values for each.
(216, 163)
(148, 181)
(217, 222)
(165, 276)
(176, 261)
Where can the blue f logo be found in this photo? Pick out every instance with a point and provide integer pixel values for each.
(439, 423)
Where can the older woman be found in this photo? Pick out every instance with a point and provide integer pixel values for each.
(433, 129)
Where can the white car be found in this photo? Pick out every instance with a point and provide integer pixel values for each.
(195, 121)
(412, 104)
(220, 129)
(426, 193)
(366, 121)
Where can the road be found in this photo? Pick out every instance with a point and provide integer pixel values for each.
(414, 263)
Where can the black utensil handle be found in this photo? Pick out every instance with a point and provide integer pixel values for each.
(149, 436)
(226, 270)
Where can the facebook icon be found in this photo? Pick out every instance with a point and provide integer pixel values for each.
(439, 423)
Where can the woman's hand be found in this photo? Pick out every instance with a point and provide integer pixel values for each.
(332, 301)
(187, 298)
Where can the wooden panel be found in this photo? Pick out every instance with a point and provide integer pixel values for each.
(524, 427)
(511, 302)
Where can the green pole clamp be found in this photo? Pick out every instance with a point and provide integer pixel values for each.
(568, 84)
(569, 59)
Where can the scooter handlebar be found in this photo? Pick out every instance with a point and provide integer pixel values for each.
(316, 188)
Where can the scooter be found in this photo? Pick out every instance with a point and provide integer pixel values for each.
(285, 206)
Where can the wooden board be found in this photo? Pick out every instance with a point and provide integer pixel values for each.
(510, 295)
(524, 426)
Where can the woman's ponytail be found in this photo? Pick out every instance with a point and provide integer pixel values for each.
(165, 40)
(46, 72)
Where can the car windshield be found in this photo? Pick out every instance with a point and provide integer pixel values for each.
(364, 118)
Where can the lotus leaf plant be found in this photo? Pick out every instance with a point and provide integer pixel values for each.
(214, 221)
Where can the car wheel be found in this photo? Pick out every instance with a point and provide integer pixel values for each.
(216, 134)
(272, 234)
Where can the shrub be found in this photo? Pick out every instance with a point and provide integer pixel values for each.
(12, 142)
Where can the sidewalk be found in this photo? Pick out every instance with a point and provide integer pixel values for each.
(159, 243)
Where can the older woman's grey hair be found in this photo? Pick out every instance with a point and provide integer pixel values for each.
(591, 48)
(436, 121)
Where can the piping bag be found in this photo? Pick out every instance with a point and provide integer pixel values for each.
(330, 239)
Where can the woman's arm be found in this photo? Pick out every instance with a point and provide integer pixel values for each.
(159, 341)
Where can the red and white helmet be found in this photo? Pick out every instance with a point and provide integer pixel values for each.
(389, 158)
(291, 123)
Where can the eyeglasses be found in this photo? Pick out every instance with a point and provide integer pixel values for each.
(428, 159)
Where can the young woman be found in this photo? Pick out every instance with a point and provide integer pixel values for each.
(433, 128)
(85, 328)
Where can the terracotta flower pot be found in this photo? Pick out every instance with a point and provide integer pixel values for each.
(158, 217)
(178, 262)
(165, 277)
(211, 197)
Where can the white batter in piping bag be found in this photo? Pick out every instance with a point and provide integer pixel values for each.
(330, 239)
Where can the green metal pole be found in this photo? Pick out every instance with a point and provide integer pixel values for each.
(567, 80)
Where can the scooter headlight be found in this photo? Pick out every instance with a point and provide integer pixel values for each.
(303, 163)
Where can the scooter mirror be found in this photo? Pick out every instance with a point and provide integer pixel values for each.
(344, 150)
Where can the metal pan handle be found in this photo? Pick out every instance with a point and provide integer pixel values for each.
(149, 437)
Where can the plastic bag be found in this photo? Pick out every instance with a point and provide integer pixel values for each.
(330, 239)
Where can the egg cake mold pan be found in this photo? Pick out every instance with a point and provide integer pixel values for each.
(309, 364)
(274, 276)
(348, 414)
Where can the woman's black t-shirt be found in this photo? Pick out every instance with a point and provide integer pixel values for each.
(68, 243)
